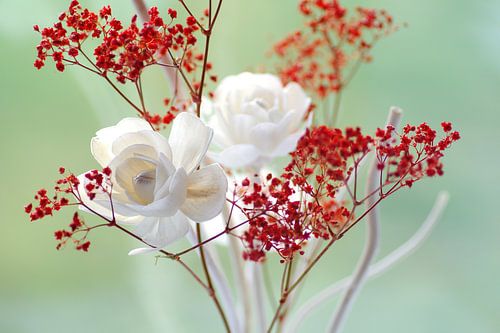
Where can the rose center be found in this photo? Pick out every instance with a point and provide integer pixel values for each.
(144, 185)
(263, 103)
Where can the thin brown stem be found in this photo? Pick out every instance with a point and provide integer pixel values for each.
(203, 73)
(191, 14)
(208, 240)
(217, 11)
(183, 75)
(209, 280)
(297, 282)
(286, 293)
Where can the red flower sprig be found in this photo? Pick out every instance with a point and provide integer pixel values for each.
(67, 193)
(413, 154)
(77, 234)
(323, 56)
(285, 212)
(122, 51)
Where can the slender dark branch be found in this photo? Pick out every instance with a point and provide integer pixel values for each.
(132, 104)
(209, 280)
(217, 11)
(208, 240)
(183, 75)
(297, 282)
(191, 14)
(203, 74)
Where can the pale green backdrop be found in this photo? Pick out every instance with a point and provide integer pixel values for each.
(444, 66)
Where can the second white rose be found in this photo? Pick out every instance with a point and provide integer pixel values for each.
(255, 119)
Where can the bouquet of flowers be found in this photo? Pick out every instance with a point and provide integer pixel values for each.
(208, 179)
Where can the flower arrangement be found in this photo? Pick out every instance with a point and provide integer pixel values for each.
(207, 181)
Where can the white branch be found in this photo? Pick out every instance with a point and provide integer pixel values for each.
(257, 285)
(376, 269)
(372, 241)
(240, 280)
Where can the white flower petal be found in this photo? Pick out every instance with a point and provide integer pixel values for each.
(266, 136)
(239, 126)
(296, 99)
(147, 138)
(101, 144)
(288, 145)
(160, 232)
(237, 156)
(143, 250)
(164, 171)
(206, 193)
(189, 141)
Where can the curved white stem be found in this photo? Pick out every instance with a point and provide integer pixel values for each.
(371, 247)
(256, 281)
(394, 119)
(240, 280)
(259, 301)
(220, 282)
(372, 241)
(379, 267)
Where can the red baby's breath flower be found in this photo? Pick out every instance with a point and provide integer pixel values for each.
(324, 55)
(66, 192)
(285, 212)
(123, 51)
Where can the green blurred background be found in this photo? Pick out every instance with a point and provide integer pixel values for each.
(444, 66)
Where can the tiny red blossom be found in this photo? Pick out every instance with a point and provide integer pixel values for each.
(324, 162)
(323, 56)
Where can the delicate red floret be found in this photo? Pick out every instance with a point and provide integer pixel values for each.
(124, 51)
(323, 57)
(285, 212)
(67, 193)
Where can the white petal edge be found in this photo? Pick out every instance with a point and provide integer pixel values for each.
(206, 193)
(101, 144)
(148, 138)
(296, 99)
(189, 141)
(160, 232)
(143, 250)
(237, 156)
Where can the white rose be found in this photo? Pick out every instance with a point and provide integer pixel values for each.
(157, 185)
(256, 119)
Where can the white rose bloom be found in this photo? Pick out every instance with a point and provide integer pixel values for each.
(157, 185)
(256, 119)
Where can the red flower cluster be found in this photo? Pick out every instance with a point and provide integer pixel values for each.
(97, 182)
(333, 42)
(77, 233)
(303, 202)
(413, 154)
(47, 205)
(325, 154)
(124, 52)
(67, 188)
(278, 221)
